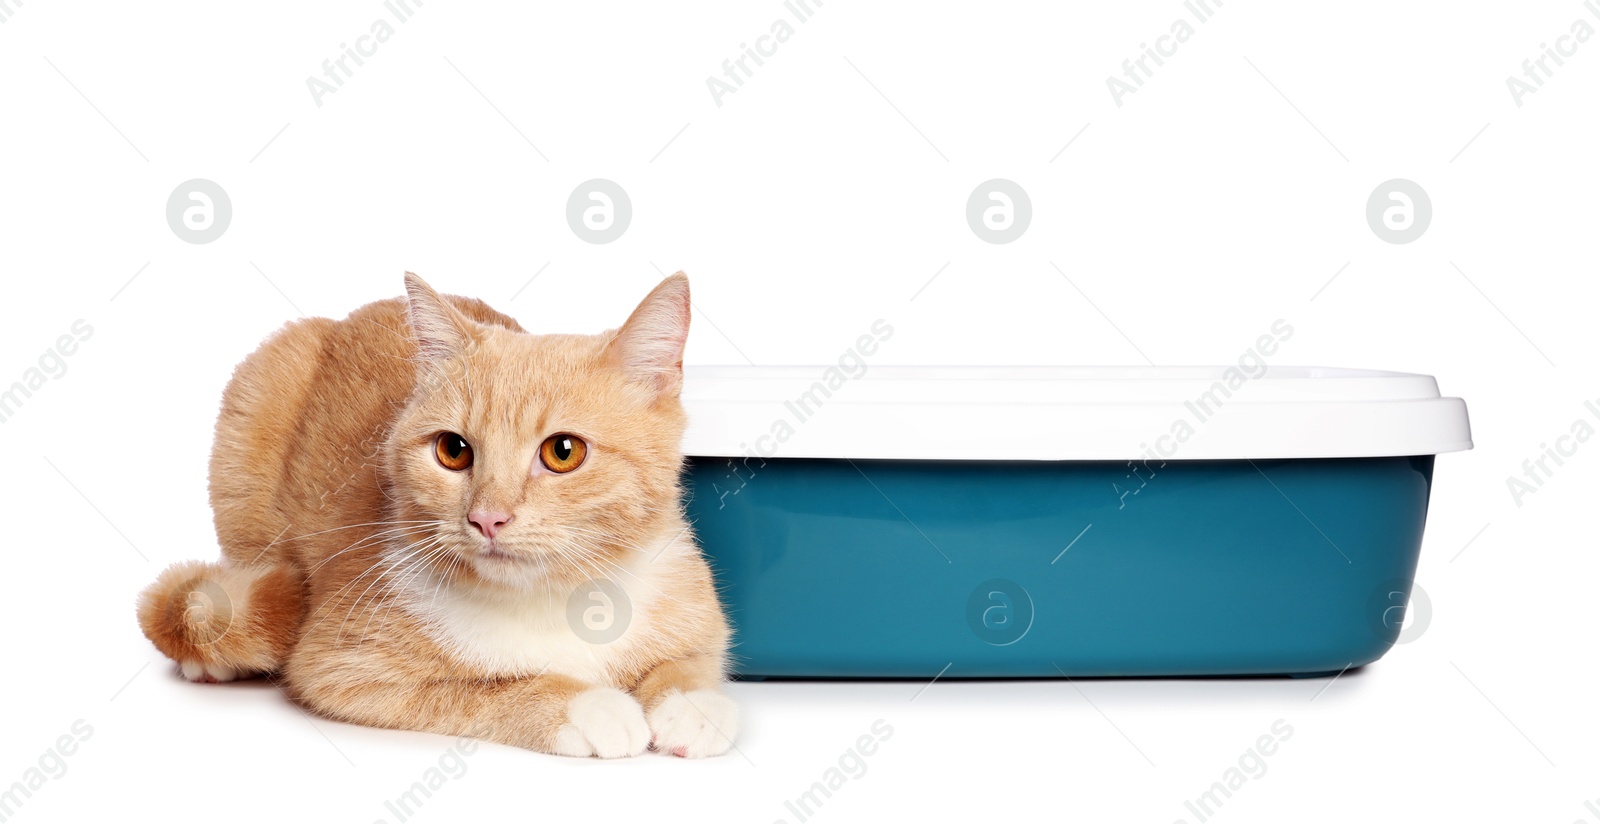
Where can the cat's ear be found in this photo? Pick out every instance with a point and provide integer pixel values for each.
(439, 331)
(649, 347)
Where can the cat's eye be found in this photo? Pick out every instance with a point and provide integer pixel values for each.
(563, 452)
(453, 451)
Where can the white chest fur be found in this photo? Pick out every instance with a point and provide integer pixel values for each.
(541, 632)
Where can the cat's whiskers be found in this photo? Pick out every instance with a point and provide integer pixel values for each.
(330, 604)
(405, 528)
(388, 522)
(595, 564)
(355, 579)
(630, 546)
(393, 578)
(390, 562)
(599, 563)
(601, 536)
(386, 598)
(381, 561)
(448, 571)
(398, 568)
(378, 537)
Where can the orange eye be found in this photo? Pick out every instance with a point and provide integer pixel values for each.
(562, 453)
(453, 451)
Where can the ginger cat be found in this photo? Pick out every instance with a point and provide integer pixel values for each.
(433, 520)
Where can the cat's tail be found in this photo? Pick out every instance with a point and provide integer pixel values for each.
(224, 621)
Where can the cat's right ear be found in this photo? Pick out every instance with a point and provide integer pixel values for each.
(439, 331)
(649, 347)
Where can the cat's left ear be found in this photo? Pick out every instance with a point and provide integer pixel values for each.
(439, 331)
(649, 347)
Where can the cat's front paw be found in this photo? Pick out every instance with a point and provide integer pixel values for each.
(695, 724)
(605, 722)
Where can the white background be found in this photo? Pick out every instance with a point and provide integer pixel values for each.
(822, 195)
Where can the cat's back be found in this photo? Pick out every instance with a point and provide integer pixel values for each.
(299, 436)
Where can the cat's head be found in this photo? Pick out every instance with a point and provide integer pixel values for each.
(526, 460)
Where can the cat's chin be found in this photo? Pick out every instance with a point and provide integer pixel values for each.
(527, 568)
(494, 553)
(497, 563)
(513, 571)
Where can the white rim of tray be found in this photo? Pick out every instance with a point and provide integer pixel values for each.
(1049, 413)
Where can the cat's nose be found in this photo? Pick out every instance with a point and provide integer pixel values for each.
(489, 523)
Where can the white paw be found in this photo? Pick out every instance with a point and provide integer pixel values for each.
(605, 722)
(208, 673)
(695, 724)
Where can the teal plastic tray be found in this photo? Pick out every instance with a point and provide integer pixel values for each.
(913, 568)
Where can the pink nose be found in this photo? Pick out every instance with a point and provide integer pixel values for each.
(489, 523)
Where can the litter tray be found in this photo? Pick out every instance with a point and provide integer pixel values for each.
(1041, 521)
